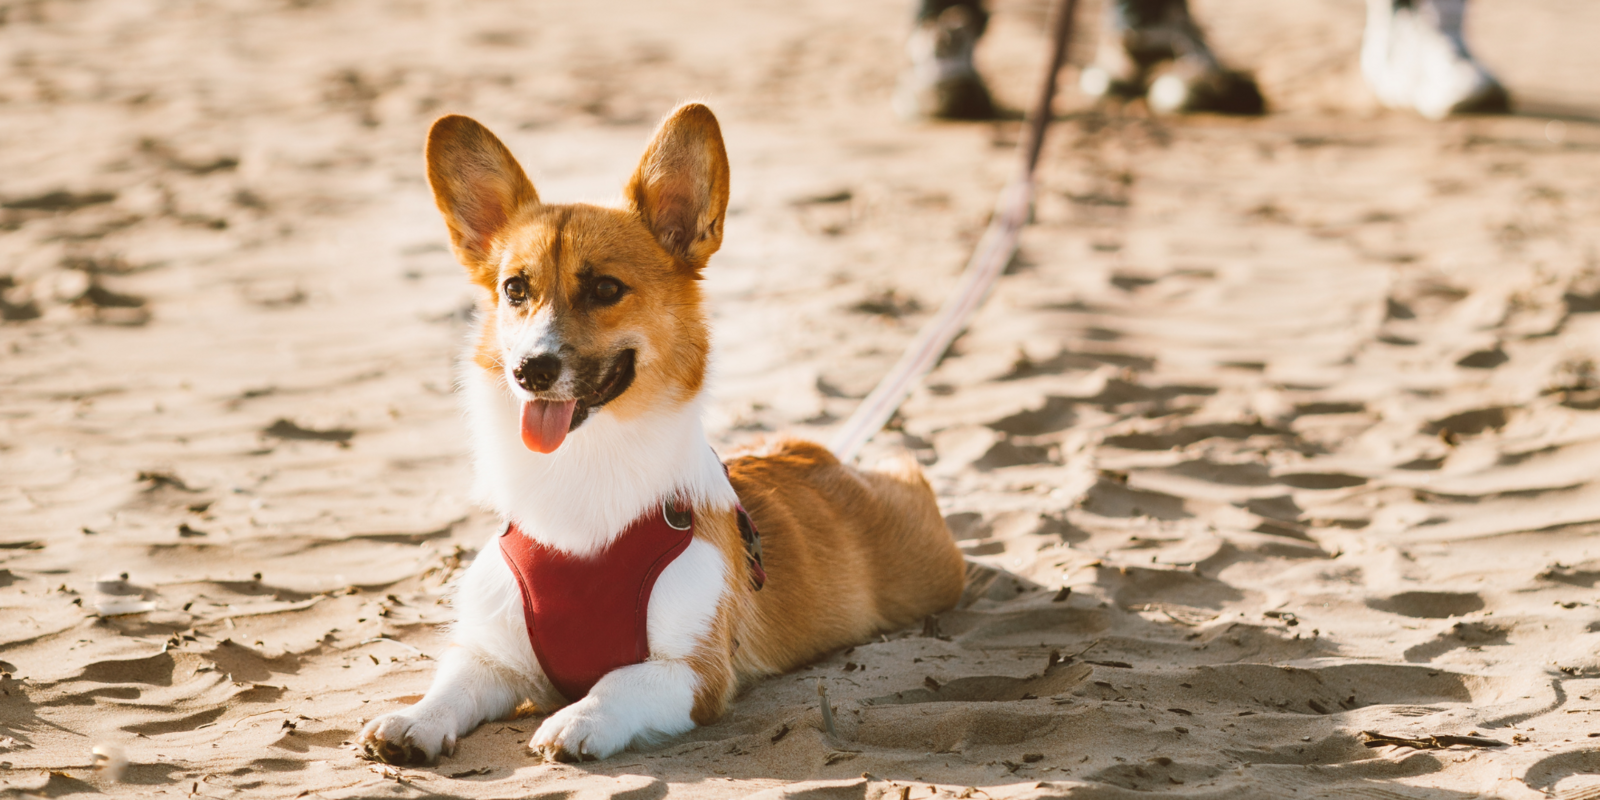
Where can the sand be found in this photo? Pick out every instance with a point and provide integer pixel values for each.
(1277, 432)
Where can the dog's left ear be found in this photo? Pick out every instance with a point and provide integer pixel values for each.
(680, 190)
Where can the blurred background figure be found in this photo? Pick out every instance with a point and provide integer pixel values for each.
(1137, 37)
(942, 82)
(1413, 56)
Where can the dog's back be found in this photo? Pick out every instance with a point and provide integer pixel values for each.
(848, 553)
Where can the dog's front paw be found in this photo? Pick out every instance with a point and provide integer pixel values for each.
(583, 731)
(412, 736)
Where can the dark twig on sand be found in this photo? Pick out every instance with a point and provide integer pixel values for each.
(1374, 739)
(827, 712)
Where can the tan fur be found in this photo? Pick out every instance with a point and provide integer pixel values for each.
(848, 553)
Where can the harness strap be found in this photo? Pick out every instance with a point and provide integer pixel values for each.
(752, 548)
(751, 537)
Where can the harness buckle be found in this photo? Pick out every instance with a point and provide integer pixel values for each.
(678, 520)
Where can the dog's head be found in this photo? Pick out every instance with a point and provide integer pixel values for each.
(586, 306)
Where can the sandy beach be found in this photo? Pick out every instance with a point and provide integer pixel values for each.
(1273, 454)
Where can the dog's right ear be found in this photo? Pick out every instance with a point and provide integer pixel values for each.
(478, 186)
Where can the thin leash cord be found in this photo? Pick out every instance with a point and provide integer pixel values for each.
(988, 261)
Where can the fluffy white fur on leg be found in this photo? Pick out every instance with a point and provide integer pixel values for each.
(649, 701)
(466, 690)
(483, 676)
(642, 701)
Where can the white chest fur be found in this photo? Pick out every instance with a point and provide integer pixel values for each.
(605, 475)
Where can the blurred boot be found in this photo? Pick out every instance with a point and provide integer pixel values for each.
(1413, 56)
(942, 82)
(1116, 72)
(1139, 35)
(1191, 86)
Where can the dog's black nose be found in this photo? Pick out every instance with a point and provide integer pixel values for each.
(536, 374)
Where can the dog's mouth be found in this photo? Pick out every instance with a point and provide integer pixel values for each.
(546, 423)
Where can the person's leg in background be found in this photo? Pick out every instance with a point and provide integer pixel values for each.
(1137, 36)
(942, 82)
(1413, 56)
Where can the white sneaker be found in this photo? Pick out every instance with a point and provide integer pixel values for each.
(1413, 56)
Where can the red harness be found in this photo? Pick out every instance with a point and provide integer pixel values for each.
(588, 616)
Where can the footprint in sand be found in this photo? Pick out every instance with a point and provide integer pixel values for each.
(1461, 634)
(1134, 586)
(1236, 474)
(1583, 573)
(1320, 480)
(1194, 434)
(1546, 773)
(1058, 678)
(1328, 407)
(1483, 359)
(1110, 497)
(1156, 774)
(1469, 423)
(1428, 605)
(1054, 415)
(1007, 453)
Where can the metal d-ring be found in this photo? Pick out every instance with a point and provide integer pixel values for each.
(677, 520)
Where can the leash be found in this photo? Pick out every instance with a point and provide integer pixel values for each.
(988, 261)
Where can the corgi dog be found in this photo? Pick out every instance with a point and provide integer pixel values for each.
(638, 580)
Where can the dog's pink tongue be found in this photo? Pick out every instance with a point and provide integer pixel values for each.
(545, 424)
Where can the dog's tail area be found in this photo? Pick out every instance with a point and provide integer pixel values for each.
(903, 487)
(901, 466)
(912, 540)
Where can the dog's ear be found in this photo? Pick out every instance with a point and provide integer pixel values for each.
(680, 190)
(478, 185)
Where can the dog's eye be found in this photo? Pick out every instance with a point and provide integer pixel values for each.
(516, 289)
(606, 291)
